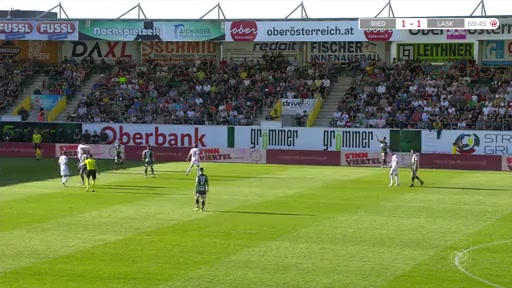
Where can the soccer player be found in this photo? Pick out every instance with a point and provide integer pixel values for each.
(64, 169)
(193, 155)
(82, 169)
(118, 158)
(147, 157)
(82, 150)
(36, 140)
(414, 169)
(202, 188)
(383, 150)
(92, 170)
(393, 173)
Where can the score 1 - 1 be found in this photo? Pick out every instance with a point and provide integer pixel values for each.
(411, 23)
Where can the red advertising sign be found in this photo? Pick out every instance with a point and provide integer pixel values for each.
(14, 149)
(303, 157)
(461, 162)
(161, 154)
(506, 163)
(369, 159)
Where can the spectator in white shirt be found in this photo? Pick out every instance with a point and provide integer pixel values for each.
(336, 115)
(381, 89)
(207, 87)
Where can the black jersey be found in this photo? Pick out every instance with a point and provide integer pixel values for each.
(147, 156)
(201, 183)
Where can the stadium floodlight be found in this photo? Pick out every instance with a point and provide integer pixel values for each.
(303, 12)
(481, 5)
(140, 12)
(61, 11)
(220, 12)
(391, 13)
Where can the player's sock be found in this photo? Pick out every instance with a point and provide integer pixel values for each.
(93, 184)
(419, 179)
(63, 180)
(390, 180)
(396, 180)
(146, 171)
(83, 179)
(412, 179)
(152, 171)
(203, 204)
(384, 162)
(197, 203)
(66, 179)
(188, 170)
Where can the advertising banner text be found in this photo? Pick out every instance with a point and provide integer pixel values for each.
(233, 155)
(147, 30)
(497, 52)
(99, 151)
(18, 149)
(240, 51)
(348, 51)
(179, 51)
(461, 162)
(435, 52)
(38, 30)
(109, 51)
(294, 106)
(36, 50)
(468, 142)
(303, 157)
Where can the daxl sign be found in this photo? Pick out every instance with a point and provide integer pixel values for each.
(109, 51)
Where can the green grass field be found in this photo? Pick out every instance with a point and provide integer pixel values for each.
(265, 226)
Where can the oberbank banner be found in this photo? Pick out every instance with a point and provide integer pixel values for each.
(119, 30)
(310, 139)
(39, 30)
(467, 142)
(302, 31)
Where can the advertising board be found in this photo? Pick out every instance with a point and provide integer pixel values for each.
(461, 162)
(37, 50)
(302, 31)
(506, 163)
(470, 142)
(303, 157)
(17, 149)
(294, 106)
(319, 139)
(99, 151)
(233, 155)
(160, 153)
(109, 51)
(147, 30)
(240, 51)
(38, 30)
(435, 52)
(179, 51)
(347, 51)
(372, 159)
(497, 52)
(48, 102)
(162, 135)
(504, 32)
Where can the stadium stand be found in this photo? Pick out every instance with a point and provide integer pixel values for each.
(198, 93)
(14, 75)
(455, 95)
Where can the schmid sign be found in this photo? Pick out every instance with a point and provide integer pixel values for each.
(319, 139)
(162, 135)
(468, 141)
(179, 51)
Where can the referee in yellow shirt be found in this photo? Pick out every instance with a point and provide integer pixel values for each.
(92, 170)
(36, 140)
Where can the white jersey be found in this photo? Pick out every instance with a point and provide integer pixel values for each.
(63, 164)
(82, 150)
(394, 162)
(194, 156)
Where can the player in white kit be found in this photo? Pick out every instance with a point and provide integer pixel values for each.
(193, 155)
(82, 151)
(393, 172)
(64, 169)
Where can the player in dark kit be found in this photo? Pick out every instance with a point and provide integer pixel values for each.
(82, 169)
(414, 169)
(383, 151)
(147, 157)
(118, 158)
(202, 188)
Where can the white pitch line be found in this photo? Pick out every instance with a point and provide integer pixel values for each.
(459, 255)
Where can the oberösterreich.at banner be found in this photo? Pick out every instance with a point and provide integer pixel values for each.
(38, 30)
(302, 31)
(130, 30)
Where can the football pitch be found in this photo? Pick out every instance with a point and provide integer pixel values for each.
(264, 226)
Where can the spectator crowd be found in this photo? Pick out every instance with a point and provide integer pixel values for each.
(12, 76)
(420, 95)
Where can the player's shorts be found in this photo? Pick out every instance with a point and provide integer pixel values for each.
(91, 174)
(201, 195)
(194, 162)
(118, 159)
(414, 171)
(384, 155)
(82, 170)
(393, 172)
(37, 146)
(148, 164)
(64, 172)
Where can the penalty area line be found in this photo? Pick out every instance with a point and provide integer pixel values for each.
(459, 266)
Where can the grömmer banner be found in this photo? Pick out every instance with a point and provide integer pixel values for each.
(121, 30)
(162, 135)
(99, 151)
(233, 155)
(309, 139)
(100, 50)
(467, 142)
(247, 51)
(302, 31)
(38, 30)
(294, 106)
